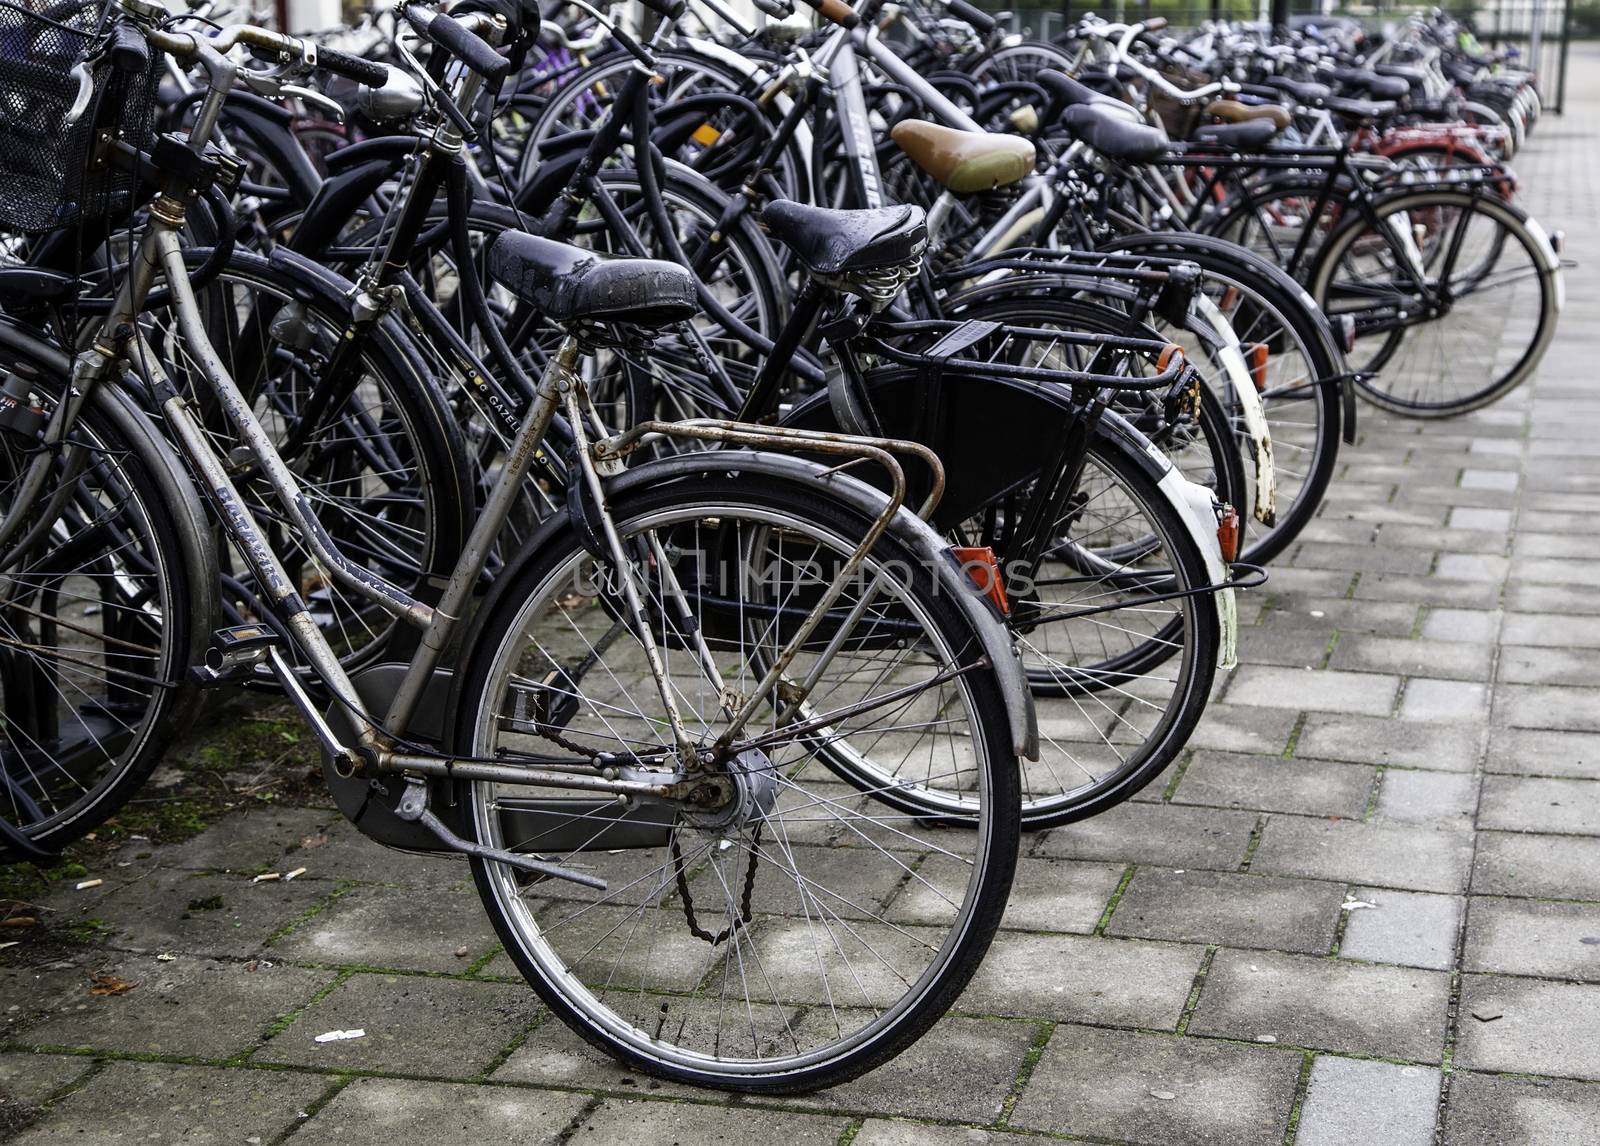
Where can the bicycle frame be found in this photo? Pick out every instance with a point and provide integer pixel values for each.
(380, 746)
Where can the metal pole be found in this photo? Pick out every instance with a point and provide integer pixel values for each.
(1280, 19)
(1561, 78)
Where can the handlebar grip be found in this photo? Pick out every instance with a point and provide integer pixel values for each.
(129, 50)
(443, 32)
(836, 12)
(980, 20)
(355, 68)
(777, 9)
(666, 9)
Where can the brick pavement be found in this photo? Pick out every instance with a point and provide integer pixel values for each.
(1371, 920)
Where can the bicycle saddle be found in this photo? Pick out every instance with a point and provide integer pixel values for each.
(1251, 135)
(1065, 92)
(1232, 111)
(829, 242)
(1359, 108)
(1378, 87)
(964, 161)
(1113, 135)
(569, 284)
(1412, 75)
(1308, 93)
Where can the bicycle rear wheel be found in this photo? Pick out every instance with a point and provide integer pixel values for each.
(814, 932)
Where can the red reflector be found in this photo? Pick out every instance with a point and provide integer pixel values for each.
(1228, 532)
(978, 562)
(1255, 356)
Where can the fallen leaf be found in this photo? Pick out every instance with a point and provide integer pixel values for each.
(109, 985)
(19, 921)
(315, 841)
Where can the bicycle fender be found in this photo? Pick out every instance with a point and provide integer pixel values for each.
(928, 546)
(1219, 333)
(1195, 504)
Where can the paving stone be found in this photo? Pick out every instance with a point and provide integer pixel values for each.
(252, 840)
(1537, 805)
(1558, 631)
(389, 928)
(1526, 665)
(1244, 728)
(1410, 928)
(1539, 706)
(1533, 751)
(29, 1079)
(1502, 480)
(1527, 937)
(1356, 1103)
(1381, 741)
(382, 1111)
(671, 1123)
(1360, 558)
(443, 1027)
(1445, 799)
(189, 1006)
(1238, 910)
(1419, 859)
(154, 1102)
(1060, 895)
(1454, 659)
(1156, 833)
(1323, 615)
(1391, 1012)
(1150, 1088)
(553, 1055)
(1273, 784)
(1369, 693)
(1472, 567)
(1484, 1110)
(223, 916)
(1433, 592)
(1460, 625)
(1084, 979)
(1542, 1028)
(883, 1132)
(1443, 700)
(1560, 867)
(1467, 517)
(984, 1054)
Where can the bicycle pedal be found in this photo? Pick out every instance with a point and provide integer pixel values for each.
(233, 654)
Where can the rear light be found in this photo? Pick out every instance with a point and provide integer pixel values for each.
(1346, 324)
(1255, 356)
(978, 562)
(1228, 532)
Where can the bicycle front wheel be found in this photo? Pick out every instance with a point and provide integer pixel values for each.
(813, 932)
(1453, 295)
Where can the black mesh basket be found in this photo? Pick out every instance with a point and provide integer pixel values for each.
(53, 174)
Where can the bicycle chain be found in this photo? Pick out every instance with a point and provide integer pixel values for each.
(745, 910)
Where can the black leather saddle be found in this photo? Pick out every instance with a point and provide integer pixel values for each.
(1114, 135)
(1065, 92)
(1304, 92)
(1251, 135)
(1376, 86)
(569, 284)
(829, 242)
(1360, 108)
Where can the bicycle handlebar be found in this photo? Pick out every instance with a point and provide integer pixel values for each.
(453, 35)
(980, 20)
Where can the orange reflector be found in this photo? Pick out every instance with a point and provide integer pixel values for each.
(978, 562)
(705, 135)
(1255, 356)
(1229, 300)
(1228, 532)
